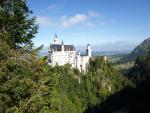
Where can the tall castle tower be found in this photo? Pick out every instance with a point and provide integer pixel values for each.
(88, 50)
(62, 46)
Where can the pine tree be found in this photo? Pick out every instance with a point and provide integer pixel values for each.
(15, 21)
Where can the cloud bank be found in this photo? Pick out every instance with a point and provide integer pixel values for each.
(69, 21)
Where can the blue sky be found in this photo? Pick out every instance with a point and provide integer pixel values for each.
(98, 22)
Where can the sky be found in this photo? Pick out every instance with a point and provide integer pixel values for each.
(98, 22)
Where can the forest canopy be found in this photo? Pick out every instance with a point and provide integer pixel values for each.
(29, 85)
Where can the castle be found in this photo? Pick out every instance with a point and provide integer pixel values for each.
(60, 54)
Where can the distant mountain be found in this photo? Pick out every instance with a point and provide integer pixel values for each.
(140, 50)
(111, 46)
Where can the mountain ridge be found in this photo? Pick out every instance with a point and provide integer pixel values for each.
(140, 50)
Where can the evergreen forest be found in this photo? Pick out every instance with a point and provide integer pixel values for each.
(29, 85)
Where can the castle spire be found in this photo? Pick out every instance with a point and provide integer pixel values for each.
(56, 41)
(88, 50)
(62, 43)
(55, 35)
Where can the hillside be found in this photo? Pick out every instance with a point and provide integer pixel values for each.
(140, 50)
(29, 85)
(130, 99)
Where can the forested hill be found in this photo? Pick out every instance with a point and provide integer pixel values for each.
(29, 85)
(140, 50)
(130, 99)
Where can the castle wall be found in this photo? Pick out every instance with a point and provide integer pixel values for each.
(84, 62)
(62, 57)
(78, 62)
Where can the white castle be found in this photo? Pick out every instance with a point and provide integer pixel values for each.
(60, 54)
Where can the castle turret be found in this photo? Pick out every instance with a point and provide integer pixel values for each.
(62, 46)
(78, 60)
(56, 41)
(88, 50)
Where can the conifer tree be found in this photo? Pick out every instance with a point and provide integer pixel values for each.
(16, 22)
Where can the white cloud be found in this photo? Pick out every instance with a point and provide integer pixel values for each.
(67, 22)
(44, 21)
(78, 18)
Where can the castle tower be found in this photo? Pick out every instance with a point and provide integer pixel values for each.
(62, 46)
(78, 60)
(56, 41)
(88, 50)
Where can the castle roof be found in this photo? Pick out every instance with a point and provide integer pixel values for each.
(69, 47)
(57, 47)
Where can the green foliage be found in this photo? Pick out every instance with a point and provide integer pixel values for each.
(29, 85)
(124, 68)
(104, 80)
(130, 99)
(16, 22)
(141, 69)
